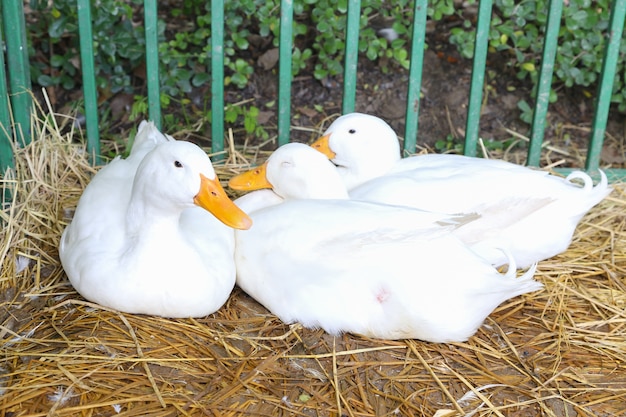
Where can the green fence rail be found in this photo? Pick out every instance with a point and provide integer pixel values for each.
(19, 82)
(15, 94)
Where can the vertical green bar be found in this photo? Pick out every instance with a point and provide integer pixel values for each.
(89, 80)
(415, 75)
(217, 79)
(550, 45)
(6, 149)
(284, 70)
(19, 68)
(352, 54)
(603, 101)
(152, 60)
(481, 44)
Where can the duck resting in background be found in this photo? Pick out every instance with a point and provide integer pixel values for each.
(532, 212)
(145, 237)
(315, 257)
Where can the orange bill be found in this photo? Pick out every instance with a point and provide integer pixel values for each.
(255, 179)
(213, 198)
(322, 145)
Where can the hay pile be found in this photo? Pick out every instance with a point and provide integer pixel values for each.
(557, 352)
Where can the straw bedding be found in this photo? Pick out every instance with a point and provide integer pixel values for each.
(556, 352)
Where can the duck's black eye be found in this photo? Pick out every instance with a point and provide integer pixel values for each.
(352, 131)
(177, 164)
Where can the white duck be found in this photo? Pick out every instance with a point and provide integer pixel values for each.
(349, 266)
(140, 242)
(532, 212)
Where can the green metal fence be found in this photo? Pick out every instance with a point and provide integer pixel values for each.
(17, 98)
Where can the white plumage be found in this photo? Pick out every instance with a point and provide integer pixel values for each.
(350, 266)
(140, 243)
(531, 212)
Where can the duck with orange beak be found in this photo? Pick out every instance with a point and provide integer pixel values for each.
(531, 211)
(153, 234)
(317, 258)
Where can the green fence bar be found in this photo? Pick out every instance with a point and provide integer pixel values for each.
(217, 79)
(19, 68)
(415, 75)
(152, 61)
(6, 149)
(89, 80)
(544, 83)
(353, 23)
(603, 101)
(284, 70)
(481, 44)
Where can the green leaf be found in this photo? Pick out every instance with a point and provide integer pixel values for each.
(239, 80)
(323, 26)
(57, 28)
(250, 121)
(400, 54)
(68, 83)
(200, 78)
(230, 114)
(45, 80)
(57, 60)
(165, 100)
(320, 73)
(241, 42)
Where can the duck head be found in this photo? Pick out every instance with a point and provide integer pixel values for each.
(294, 171)
(361, 146)
(177, 175)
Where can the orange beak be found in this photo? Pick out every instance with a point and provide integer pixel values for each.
(255, 179)
(323, 146)
(213, 198)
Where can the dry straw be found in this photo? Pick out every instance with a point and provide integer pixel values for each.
(556, 352)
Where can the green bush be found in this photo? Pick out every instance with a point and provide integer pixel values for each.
(517, 28)
(184, 31)
(185, 44)
(185, 48)
(54, 47)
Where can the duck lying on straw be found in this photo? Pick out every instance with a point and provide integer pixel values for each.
(350, 266)
(532, 212)
(141, 240)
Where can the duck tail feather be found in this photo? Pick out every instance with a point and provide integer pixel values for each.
(526, 282)
(603, 185)
(602, 188)
(530, 273)
(510, 262)
(583, 176)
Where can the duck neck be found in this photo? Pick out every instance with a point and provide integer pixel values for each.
(363, 169)
(321, 189)
(335, 191)
(151, 222)
(354, 176)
